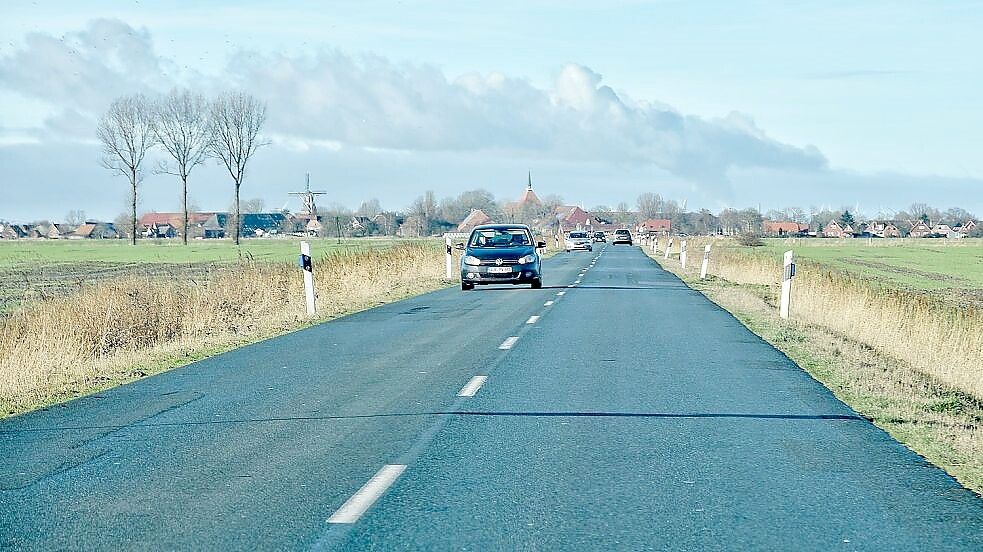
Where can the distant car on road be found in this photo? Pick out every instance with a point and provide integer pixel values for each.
(577, 240)
(600, 237)
(621, 236)
(501, 254)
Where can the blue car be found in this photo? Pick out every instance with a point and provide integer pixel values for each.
(501, 254)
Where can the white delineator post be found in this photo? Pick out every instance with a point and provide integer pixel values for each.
(787, 275)
(655, 244)
(308, 267)
(450, 257)
(668, 248)
(682, 253)
(706, 262)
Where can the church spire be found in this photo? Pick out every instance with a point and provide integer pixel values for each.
(529, 186)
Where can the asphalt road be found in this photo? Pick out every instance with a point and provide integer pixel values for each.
(631, 414)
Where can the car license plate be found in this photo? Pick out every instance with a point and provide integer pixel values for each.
(500, 269)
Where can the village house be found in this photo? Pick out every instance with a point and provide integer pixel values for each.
(94, 230)
(963, 229)
(11, 232)
(26, 231)
(53, 231)
(655, 227)
(920, 229)
(783, 228)
(571, 217)
(476, 217)
(360, 225)
(837, 230)
(253, 225)
(169, 225)
(883, 229)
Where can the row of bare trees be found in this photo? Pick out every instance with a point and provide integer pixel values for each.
(191, 129)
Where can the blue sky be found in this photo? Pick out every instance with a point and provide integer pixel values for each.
(873, 104)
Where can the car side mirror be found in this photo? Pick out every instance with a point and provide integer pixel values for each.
(540, 245)
(459, 246)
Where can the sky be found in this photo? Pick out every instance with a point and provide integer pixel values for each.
(869, 105)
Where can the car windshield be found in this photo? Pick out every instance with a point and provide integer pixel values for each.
(500, 237)
(621, 232)
(577, 235)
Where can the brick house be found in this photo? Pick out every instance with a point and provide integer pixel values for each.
(835, 229)
(96, 231)
(883, 229)
(571, 217)
(169, 225)
(783, 228)
(920, 229)
(658, 227)
(476, 217)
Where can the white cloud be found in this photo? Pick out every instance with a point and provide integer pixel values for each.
(330, 99)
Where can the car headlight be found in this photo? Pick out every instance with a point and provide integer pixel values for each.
(528, 259)
(472, 260)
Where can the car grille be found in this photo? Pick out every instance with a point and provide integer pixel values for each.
(505, 262)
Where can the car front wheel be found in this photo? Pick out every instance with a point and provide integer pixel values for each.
(466, 286)
(537, 284)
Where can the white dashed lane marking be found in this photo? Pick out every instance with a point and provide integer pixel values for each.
(508, 343)
(560, 293)
(472, 386)
(548, 304)
(362, 500)
(532, 320)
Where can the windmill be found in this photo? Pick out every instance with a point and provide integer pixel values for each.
(310, 206)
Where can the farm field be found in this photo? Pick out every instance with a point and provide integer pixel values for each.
(34, 269)
(925, 264)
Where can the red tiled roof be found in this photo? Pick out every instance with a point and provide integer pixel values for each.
(85, 230)
(571, 214)
(475, 217)
(779, 226)
(174, 219)
(656, 225)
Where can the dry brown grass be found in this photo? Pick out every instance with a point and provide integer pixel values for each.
(112, 331)
(931, 335)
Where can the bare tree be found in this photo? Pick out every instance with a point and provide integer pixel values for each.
(254, 205)
(650, 205)
(237, 118)
(369, 208)
(182, 127)
(126, 131)
(75, 217)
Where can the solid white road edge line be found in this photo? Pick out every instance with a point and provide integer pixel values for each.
(532, 320)
(472, 386)
(365, 497)
(508, 343)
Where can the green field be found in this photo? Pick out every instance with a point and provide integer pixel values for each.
(925, 264)
(30, 269)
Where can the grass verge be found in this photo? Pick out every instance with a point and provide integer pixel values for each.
(931, 414)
